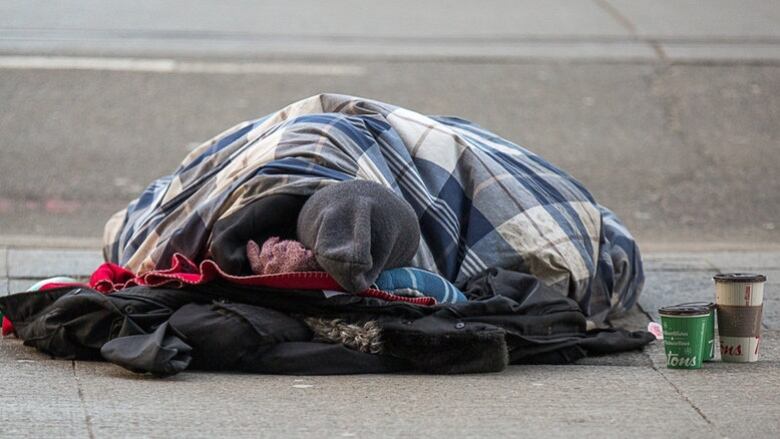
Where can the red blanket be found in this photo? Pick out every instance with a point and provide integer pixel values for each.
(109, 278)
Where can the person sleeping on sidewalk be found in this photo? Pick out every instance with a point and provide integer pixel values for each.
(346, 235)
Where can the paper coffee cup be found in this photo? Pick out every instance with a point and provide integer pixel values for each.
(685, 335)
(739, 298)
(709, 330)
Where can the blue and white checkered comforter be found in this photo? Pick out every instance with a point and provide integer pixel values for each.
(482, 201)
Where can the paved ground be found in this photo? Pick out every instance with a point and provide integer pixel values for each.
(629, 395)
(666, 110)
(442, 29)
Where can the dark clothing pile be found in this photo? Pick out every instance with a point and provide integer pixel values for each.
(510, 318)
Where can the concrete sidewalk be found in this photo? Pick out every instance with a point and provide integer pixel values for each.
(628, 395)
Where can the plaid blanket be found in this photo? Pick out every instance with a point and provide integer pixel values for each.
(481, 200)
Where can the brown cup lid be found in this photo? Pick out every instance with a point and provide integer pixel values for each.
(739, 277)
(685, 310)
(708, 305)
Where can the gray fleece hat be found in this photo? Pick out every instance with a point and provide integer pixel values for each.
(357, 229)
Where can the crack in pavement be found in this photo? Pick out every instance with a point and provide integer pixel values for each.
(629, 26)
(82, 401)
(617, 15)
(688, 400)
(647, 314)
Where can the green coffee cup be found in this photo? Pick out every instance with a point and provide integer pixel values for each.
(685, 335)
(709, 341)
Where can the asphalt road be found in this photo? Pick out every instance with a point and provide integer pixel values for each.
(681, 153)
(670, 121)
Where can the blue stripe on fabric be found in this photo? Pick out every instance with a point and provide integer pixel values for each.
(376, 126)
(446, 288)
(569, 179)
(427, 283)
(442, 223)
(352, 127)
(433, 176)
(295, 166)
(545, 192)
(441, 245)
(140, 209)
(453, 293)
(472, 264)
(479, 132)
(472, 224)
(417, 193)
(412, 279)
(220, 145)
(551, 200)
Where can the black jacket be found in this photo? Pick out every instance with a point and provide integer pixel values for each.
(511, 318)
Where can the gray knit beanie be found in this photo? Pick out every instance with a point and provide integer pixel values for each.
(357, 229)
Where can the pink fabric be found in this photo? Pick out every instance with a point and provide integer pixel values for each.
(110, 277)
(279, 256)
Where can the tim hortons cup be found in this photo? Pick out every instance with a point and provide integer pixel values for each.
(739, 298)
(685, 335)
(709, 340)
